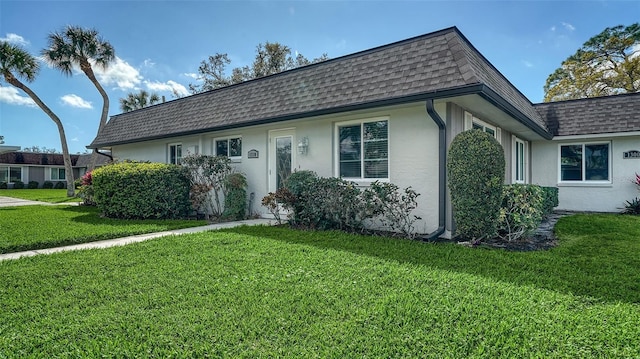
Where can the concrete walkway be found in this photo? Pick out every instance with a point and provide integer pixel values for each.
(12, 202)
(134, 239)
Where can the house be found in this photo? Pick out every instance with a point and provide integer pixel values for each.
(40, 167)
(389, 114)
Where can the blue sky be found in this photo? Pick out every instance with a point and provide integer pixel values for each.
(159, 44)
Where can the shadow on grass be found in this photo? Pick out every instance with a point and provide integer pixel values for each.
(585, 269)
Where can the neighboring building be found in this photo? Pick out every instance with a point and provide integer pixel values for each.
(41, 167)
(386, 114)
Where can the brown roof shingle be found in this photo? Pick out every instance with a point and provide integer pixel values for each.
(413, 67)
(619, 113)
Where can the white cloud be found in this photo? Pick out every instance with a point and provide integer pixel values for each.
(15, 39)
(119, 73)
(553, 28)
(148, 63)
(75, 139)
(527, 63)
(11, 96)
(192, 75)
(75, 101)
(170, 86)
(568, 26)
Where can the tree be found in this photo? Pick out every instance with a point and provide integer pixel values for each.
(135, 101)
(607, 64)
(38, 149)
(16, 62)
(75, 46)
(271, 58)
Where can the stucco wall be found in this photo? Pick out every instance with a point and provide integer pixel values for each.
(413, 152)
(589, 197)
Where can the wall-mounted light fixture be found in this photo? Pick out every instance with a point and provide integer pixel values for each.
(303, 145)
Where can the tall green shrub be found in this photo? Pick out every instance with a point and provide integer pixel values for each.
(475, 170)
(142, 190)
(235, 197)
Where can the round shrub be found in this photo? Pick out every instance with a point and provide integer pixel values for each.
(60, 185)
(47, 185)
(33, 184)
(18, 185)
(3, 185)
(475, 170)
(142, 190)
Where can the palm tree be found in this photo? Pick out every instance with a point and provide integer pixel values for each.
(75, 46)
(15, 61)
(135, 101)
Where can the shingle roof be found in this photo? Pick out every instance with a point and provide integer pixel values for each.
(620, 113)
(419, 66)
(33, 158)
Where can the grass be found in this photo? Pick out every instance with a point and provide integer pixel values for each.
(35, 227)
(274, 292)
(42, 195)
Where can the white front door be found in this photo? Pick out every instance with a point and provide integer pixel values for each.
(282, 156)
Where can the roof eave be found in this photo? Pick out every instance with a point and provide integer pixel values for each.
(490, 95)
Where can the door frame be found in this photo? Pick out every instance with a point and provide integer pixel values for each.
(271, 167)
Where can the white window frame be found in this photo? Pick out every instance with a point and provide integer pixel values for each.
(584, 181)
(228, 138)
(8, 178)
(361, 180)
(178, 158)
(470, 120)
(50, 172)
(514, 162)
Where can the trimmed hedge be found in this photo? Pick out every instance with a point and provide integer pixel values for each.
(521, 212)
(142, 190)
(550, 199)
(60, 185)
(47, 185)
(475, 170)
(33, 184)
(18, 185)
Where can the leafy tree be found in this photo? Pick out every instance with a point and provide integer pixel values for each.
(38, 149)
(607, 64)
(135, 101)
(76, 46)
(271, 58)
(15, 63)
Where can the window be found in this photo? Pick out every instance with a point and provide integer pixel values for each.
(585, 162)
(175, 153)
(10, 174)
(472, 122)
(520, 156)
(230, 147)
(57, 174)
(363, 149)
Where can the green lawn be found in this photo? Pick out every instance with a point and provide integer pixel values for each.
(35, 227)
(274, 292)
(43, 195)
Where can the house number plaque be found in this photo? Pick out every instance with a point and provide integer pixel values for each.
(631, 154)
(253, 154)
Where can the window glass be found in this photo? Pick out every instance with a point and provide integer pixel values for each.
(519, 161)
(364, 150)
(4, 174)
(222, 148)
(57, 174)
(596, 162)
(584, 162)
(235, 147)
(230, 147)
(15, 174)
(175, 154)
